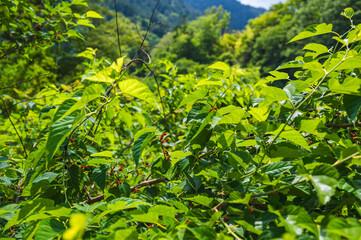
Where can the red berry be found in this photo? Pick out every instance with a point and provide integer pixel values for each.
(250, 122)
(251, 210)
(137, 171)
(188, 222)
(120, 169)
(212, 133)
(134, 191)
(166, 153)
(161, 141)
(72, 140)
(163, 134)
(331, 144)
(226, 220)
(168, 157)
(84, 156)
(215, 108)
(352, 134)
(167, 140)
(147, 165)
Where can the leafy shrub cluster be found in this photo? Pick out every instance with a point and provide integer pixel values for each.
(229, 155)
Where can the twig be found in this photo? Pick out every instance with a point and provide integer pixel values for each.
(17, 133)
(140, 185)
(116, 20)
(126, 147)
(219, 206)
(343, 125)
(345, 159)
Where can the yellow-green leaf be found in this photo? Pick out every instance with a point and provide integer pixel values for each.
(92, 14)
(137, 89)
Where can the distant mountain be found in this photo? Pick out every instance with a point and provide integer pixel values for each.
(172, 13)
(240, 13)
(169, 12)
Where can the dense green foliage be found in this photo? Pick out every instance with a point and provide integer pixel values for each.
(263, 42)
(222, 155)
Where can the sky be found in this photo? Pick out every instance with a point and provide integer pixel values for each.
(261, 3)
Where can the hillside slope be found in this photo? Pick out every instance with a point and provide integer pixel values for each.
(240, 14)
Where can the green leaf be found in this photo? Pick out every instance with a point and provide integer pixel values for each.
(347, 228)
(77, 227)
(139, 146)
(317, 48)
(325, 187)
(260, 113)
(219, 66)
(49, 229)
(73, 33)
(125, 189)
(137, 89)
(127, 234)
(92, 14)
(140, 216)
(144, 131)
(312, 126)
(103, 154)
(203, 200)
(212, 81)
(352, 105)
(313, 30)
(237, 159)
(99, 161)
(249, 227)
(75, 176)
(231, 115)
(350, 85)
(85, 22)
(27, 209)
(204, 233)
(99, 175)
(102, 76)
(275, 170)
(292, 135)
(296, 218)
(350, 63)
(80, 2)
(92, 92)
(118, 65)
(48, 176)
(61, 129)
(194, 96)
(179, 155)
(273, 94)
(285, 150)
(348, 13)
